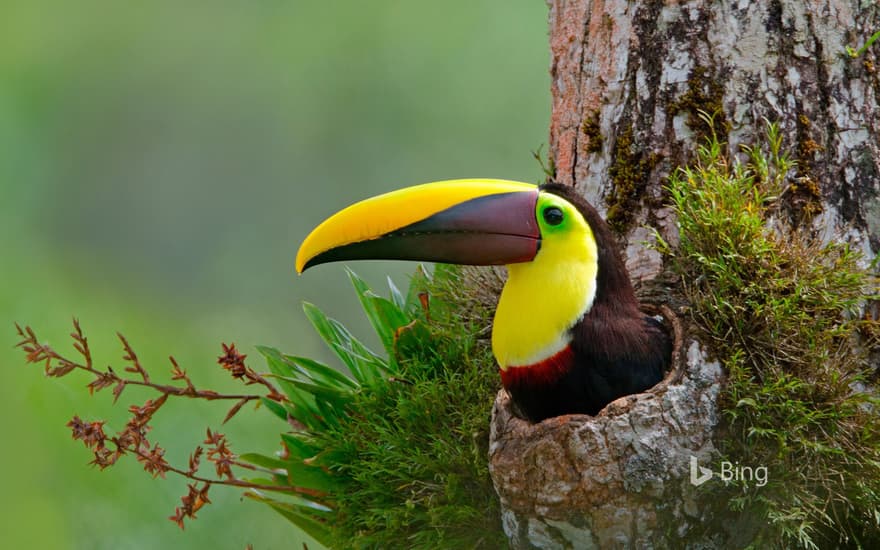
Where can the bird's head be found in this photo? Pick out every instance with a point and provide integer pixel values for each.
(556, 247)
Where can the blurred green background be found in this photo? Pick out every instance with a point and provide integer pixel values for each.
(160, 163)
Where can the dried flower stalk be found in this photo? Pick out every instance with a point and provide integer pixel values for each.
(133, 440)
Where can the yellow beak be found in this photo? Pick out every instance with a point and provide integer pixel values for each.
(471, 221)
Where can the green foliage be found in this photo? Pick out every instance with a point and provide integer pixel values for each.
(782, 312)
(393, 451)
(852, 52)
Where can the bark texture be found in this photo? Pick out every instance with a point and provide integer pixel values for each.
(630, 77)
(619, 479)
(629, 80)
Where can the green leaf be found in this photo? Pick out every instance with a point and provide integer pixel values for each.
(384, 315)
(852, 52)
(309, 525)
(290, 500)
(391, 317)
(272, 353)
(336, 337)
(335, 396)
(303, 403)
(358, 357)
(324, 458)
(296, 472)
(264, 461)
(365, 366)
(298, 447)
(275, 407)
(396, 295)
(279, 367)
(329, 413)
(321, 323)
(305, 475)
(417, 285)
(319, 372)
(304, 520)
(412, 341)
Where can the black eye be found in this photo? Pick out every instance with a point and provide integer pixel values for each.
(553, 215)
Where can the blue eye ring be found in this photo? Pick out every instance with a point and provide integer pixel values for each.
(553, 215)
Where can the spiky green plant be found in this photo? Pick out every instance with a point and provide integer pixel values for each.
(782, 311)
(393, 448)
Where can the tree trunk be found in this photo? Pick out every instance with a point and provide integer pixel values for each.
(630, 79)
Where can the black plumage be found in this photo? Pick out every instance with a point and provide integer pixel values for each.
(615, 348)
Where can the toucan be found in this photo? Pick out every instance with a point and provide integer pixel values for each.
(568, 334)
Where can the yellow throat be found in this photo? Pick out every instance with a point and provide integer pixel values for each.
(544, 298)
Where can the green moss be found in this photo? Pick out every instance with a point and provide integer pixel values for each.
(780, 311)
(704, 95)
(398, 449)
(804, 196)
(417, 469)
(591, 129)
(630, 170)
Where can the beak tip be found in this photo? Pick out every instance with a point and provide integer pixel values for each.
(300, 265)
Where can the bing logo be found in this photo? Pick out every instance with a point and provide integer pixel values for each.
(729, 472)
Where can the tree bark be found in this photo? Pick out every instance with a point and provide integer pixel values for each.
(630, 79)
